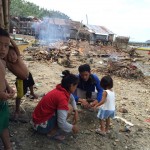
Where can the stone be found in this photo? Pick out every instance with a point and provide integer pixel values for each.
(123, 110)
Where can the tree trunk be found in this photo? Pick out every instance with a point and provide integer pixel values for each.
(1, 15)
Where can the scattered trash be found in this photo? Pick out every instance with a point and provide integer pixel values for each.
(125, 129)
(148, 120)
(124, 120)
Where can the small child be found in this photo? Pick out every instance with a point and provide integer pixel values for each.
(107, 109)
(24, 78)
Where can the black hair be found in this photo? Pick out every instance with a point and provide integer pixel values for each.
(65, 73)
(83, 68)
(4, 33)
(68, 80)
(11, 47)
(106, 82)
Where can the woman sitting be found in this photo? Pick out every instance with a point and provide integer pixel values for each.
(52, 111)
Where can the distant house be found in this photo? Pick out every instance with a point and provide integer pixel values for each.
(23, 25)
(50, 29)
(148, 42)
(100, 33)
(55, 28)
(79, 31)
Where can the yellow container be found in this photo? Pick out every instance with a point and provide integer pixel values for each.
(20, 91)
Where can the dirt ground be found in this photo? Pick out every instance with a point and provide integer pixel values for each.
(131, 94)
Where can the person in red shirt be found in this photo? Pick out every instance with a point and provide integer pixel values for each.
(52, 111)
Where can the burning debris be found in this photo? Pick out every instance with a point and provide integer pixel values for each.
(54, 52)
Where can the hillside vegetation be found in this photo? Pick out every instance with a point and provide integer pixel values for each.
(24, 8)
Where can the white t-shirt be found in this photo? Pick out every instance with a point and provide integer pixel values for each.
(110, 101)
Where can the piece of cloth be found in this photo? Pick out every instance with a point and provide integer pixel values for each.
(54, 100)
(45, 127)
(90, 86)
(22, 85)
(107, 110)
(4, 116)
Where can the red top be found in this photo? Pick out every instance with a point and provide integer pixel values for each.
(54, 100)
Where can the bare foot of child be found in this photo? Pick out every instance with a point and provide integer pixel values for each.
(33, 96)
(101, 132)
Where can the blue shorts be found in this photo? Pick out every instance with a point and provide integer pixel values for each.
(51, 123)
(105, 114)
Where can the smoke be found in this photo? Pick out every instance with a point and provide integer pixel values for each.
(50, 30)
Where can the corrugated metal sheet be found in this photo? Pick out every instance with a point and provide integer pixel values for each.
(58, 21)
(107, 30)
(99, 30)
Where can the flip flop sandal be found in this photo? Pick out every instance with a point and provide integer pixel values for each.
(98, 131)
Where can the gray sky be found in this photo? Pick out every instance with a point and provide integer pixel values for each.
(123, 17)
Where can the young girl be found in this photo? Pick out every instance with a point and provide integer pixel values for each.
(107, 105)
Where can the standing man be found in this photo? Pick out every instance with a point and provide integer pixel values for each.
(89, 91)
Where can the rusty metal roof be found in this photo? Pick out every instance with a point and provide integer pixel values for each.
(107, 30)
(99, 30)
(58, 21)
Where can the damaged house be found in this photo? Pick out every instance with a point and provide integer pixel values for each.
(55, 29)
(23, 25)
(52, 29)
(100, 33)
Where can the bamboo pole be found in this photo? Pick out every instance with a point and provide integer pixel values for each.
(5, 9)
(8, 15)
(1, 15)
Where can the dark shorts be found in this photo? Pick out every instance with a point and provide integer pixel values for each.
(4, 116)
(52, 123)
(22, 85)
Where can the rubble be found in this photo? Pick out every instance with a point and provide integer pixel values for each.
(123, 110)
(106, 59)
(124, 69)
(130, 94)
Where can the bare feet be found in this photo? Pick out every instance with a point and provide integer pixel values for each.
(99, 131)
(33, 96)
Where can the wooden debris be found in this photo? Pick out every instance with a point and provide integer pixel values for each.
(124, 69)
(124, 120)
